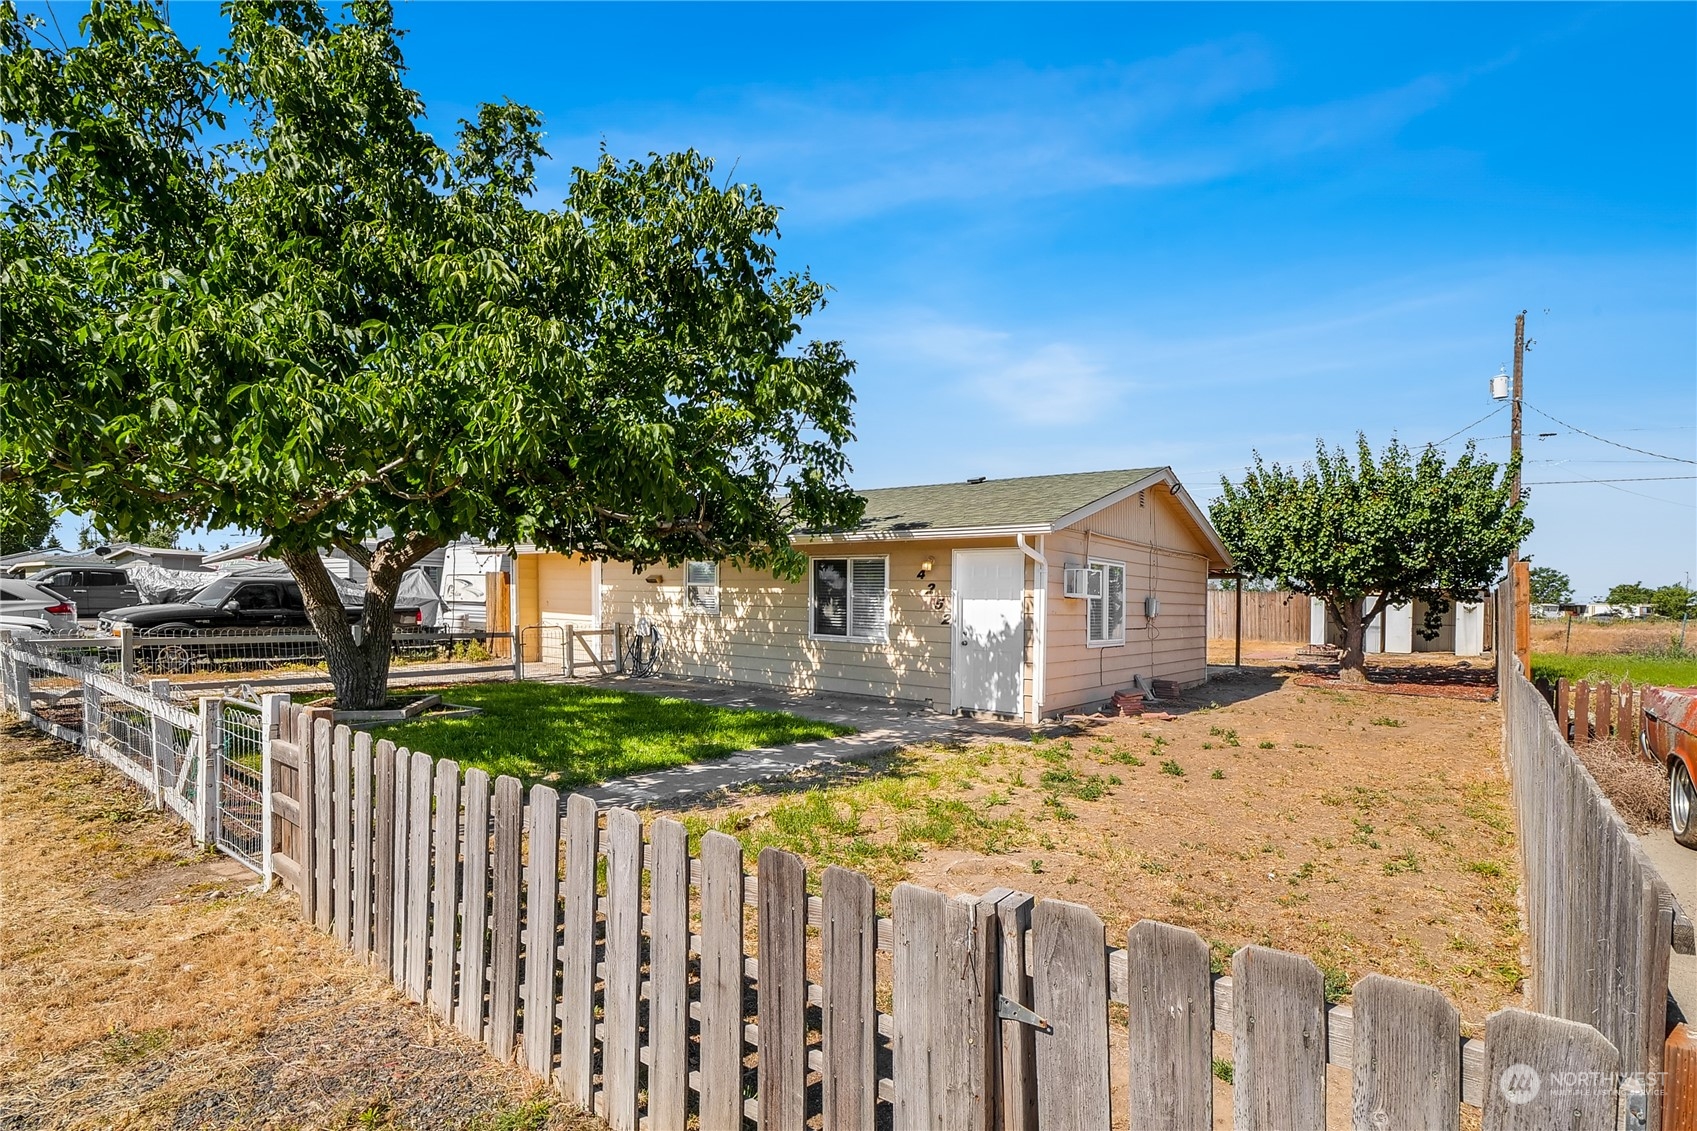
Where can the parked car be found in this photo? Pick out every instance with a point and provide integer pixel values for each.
(1668, 733)
(28, 601)
(234, 602)
(96, 590)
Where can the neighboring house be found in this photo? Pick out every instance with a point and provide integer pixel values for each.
(120, 554)
(1397, 631)
(1017, 597)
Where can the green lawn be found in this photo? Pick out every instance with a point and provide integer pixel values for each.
(1661, 668)
(567, 736)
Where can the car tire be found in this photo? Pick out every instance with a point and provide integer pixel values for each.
(1682, 804)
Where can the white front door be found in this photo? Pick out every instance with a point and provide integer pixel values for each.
(989, 624)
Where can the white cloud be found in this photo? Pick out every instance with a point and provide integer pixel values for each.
(844, 151)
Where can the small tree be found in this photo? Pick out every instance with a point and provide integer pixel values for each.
(1550, 586)
(1673, 601)
(1384, 530)
(320, 324)
(1630, 593)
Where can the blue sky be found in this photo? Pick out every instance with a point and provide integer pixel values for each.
(1074, 237)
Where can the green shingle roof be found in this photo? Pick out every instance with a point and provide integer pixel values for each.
(1033, 500)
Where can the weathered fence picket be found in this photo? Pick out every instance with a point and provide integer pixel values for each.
(418, 875)
(624, 968)
(1070, 992)
(848, 1020)
(474, 907)
(668, 973)
(504, 919)
(541, 928)
(363, 815)
(1171, 1030)
(577, 966)
(445, 889)
(783, 990)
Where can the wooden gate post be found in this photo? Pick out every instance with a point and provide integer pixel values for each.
(271, 708)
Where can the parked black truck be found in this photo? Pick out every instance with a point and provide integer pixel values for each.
(235, 602)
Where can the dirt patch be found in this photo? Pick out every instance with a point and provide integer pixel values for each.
(146, 984)
(1369, 832)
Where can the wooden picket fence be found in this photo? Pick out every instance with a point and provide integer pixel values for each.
(624, 969)
(1266, 615)
(1587, 711)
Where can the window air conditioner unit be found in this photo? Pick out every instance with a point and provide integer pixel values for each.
(1076, 581)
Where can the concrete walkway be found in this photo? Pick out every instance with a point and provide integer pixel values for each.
(880, 729)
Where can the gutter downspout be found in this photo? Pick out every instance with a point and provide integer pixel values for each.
(1040, 619)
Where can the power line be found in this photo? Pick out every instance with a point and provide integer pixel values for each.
(1605, 440)
(1636, 479)
(1468, 427)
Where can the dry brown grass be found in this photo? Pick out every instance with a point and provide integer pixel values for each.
(1636, 786)
(1370, 832)
(1623, 638)
(145, 984)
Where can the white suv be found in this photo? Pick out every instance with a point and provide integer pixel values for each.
(29, 607)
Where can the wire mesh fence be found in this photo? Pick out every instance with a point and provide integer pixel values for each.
(239, 756)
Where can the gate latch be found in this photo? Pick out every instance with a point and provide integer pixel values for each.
(1010, 1010)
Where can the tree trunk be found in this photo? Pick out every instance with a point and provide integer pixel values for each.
(1352, 664)
(359, 670)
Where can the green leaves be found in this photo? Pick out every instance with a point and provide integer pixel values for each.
(325, 324)
(1398, 524)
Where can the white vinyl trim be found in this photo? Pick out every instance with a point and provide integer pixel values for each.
(849, 595)
(1110, 638)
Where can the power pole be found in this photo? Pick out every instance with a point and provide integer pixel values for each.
(1519, 579)
(1514, 426)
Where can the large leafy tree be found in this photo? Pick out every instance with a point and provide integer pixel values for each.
(1382, 530)
(253, 291)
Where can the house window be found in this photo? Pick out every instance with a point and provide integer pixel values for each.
(851, 598)
(701, 587)
(1105, 622)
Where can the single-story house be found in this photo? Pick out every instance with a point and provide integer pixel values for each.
(1021, 598)
(118, 554)
(1397, 630)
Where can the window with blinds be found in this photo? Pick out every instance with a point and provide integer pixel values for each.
(701, 587)
(1105, 618)
(851, 598)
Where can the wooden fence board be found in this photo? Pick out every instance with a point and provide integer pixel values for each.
(384, 856)
(474, 906)
(849, 1024)
(504, 949)
(721, 983)
(418, 874)
(1406, 1043)
(363, 860)
(668, 972)
(341, 834)
(624, 967)
(1279, 1041)
(1266, 616)
(542, 926)
(1582, 712)
(783, 989)
(1071, 991)
(399, 854)
(577, 970)
(1171, 1028)
(445, 889)
(324, 867)
(1604, 706)
(1526, 1056)
(1017, 1095)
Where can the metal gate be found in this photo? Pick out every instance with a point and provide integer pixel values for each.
(235, 801)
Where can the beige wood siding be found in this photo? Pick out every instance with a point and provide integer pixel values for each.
(526, 571)
(761, 633)
(565, 596)
(1163, 557)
